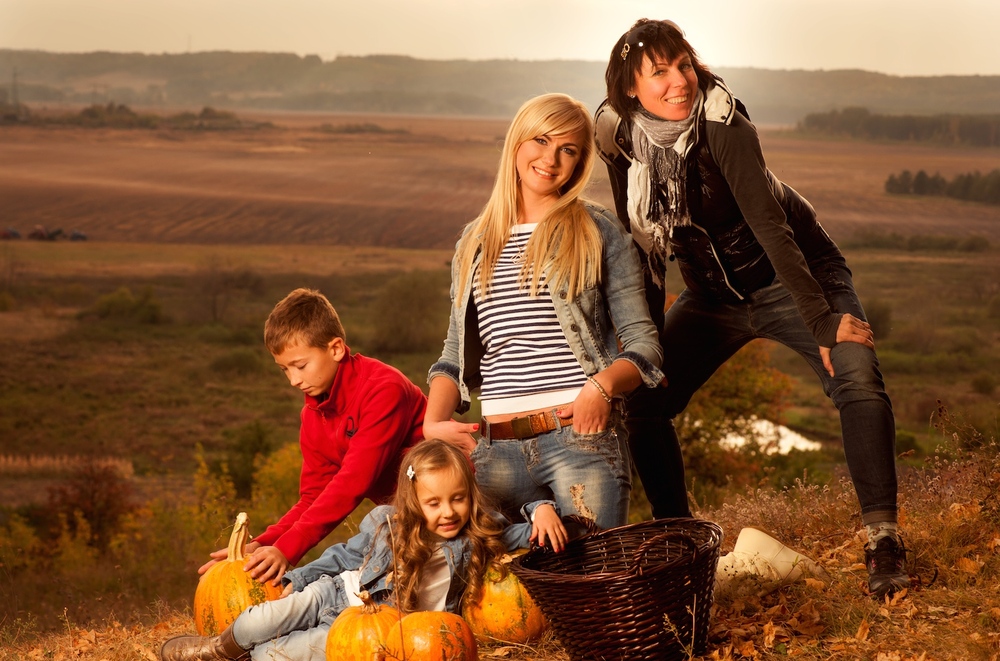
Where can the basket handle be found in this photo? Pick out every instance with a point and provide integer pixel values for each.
(589, 525)
(644, 548)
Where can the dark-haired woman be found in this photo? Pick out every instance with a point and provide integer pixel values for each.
(689, 179)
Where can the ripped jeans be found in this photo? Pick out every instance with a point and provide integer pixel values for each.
(586, 474)
(700, 334)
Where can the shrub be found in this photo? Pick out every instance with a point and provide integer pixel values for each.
(410, 314)
(276, 483)
(98, 493)
(366, 127)
(218, 285)
(983, 384)
(243, 361)
(879, 315)
(993, 308)
(247, 446)
(876, 239)
(122, 305)
(974, 243)
(906, 442)
(219, 334)
(926, 242)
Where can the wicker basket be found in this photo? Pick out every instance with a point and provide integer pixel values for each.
(641, 591)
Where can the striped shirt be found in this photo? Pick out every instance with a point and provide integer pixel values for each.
(526, 350)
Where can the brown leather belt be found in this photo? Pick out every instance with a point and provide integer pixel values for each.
(527, 426)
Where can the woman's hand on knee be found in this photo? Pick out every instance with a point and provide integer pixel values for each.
(851, 329)
(453, 431)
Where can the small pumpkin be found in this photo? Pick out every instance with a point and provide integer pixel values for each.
(225, 590)
(359, 632)
(505, 611)
(431, 636)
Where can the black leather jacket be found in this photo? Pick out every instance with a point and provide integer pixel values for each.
(719, 254)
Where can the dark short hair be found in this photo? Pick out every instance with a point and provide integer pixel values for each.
(662, 39)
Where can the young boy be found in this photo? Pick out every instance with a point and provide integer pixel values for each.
(360, 417)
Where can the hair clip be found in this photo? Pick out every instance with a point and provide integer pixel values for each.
(410, 473)
(625, 50)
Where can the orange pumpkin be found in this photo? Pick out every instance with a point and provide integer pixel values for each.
(359, 632)
(225, 590)
(431, 636)
(505, 611)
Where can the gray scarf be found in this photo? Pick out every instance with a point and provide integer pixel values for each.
(657, 178)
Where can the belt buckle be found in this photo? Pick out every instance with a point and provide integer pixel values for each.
(521, 427)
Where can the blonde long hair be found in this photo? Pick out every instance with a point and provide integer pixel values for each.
(413, 544)
(567, 243)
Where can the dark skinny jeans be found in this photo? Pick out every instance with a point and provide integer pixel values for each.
(699, 335)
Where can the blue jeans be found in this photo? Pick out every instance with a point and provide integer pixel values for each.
(586, 474)
(700, 334)
(293, 628)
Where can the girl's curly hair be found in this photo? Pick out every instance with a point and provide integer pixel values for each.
(413, 544)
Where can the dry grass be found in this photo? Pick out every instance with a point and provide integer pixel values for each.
(270, 190)
(951, 516)
(33, 463)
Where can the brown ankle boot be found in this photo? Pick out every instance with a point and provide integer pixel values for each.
(204, 648)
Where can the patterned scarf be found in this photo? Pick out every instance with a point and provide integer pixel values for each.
(657, 178)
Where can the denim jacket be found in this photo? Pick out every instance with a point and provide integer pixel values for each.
(593, 323)
(371, 551)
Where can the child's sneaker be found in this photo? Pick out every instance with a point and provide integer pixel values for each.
(886, 567)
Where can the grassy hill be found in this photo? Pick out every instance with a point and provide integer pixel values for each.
(405, 85)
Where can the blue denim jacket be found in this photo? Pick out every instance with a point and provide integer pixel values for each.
(615, 309)
(371, 551)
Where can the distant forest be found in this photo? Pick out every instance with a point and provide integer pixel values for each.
(972, 186)
(952, 129)
(404, 85)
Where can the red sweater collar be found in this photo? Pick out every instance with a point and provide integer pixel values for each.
(341, 388)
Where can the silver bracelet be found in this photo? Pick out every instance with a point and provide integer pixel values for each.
(600, 389)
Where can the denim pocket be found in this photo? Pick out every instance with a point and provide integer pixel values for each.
(480, 454)
(608, 444)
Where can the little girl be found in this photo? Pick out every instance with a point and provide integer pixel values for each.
(445, 540)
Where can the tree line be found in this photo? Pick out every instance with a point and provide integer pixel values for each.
(972, 186)
(972, 130)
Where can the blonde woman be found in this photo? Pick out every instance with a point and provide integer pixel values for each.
(549, 322)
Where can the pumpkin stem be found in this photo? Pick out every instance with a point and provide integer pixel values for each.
(238, 540)
(368, 605)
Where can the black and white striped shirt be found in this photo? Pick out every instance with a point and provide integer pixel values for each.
(526, 350)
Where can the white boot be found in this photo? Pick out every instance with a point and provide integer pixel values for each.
(762, 564)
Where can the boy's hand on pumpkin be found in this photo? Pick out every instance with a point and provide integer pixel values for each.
(222, 554)
(216, 556)
(267, 563)
(547, 526)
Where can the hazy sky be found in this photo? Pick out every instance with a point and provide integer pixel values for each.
(914, 37)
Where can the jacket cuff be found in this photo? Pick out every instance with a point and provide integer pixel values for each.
(651, 375)
(528, 509)
(449, 371)
(294, 578)
(441, 368)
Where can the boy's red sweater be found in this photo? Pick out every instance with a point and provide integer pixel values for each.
(352, 444)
